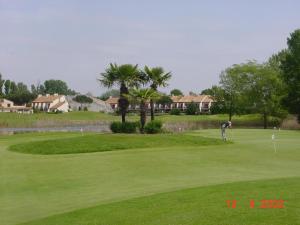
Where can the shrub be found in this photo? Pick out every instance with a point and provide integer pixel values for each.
(175, 112)
(274, 122)
(127, 127)
(192, 109)
(153, 127)
(85, 109)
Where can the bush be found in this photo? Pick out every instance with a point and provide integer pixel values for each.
(192, 109)
(85, 109)
(127, 127)
(153, 127)
(175, 112)
(274, 122)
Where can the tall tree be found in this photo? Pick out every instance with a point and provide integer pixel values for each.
(176, 92)
(38, 89)
(142, 96)
(213, 91)
(2, 81)
(275, 61)
(291, 73)
(125, 76)
(233, 80)
(19, 93)
(56, 86)
(157, 78)
(265, 91)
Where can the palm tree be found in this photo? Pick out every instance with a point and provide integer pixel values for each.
(125, 76)
(157, 78)
(142, 96)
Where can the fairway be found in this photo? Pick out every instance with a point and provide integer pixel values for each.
(183, 182)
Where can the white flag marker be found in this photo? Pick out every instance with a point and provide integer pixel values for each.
(274, 144)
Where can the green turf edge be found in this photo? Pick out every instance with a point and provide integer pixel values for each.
(201, 205)
(111, 142)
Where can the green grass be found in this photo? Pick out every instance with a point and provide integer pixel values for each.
(108, 142)
(74, 118)
(161, 185)
(48, 119)
(203, 205)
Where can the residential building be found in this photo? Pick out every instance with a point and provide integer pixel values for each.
(51, 103)
(113, 102)
(96, 106)
(204, 102)
(9, 106)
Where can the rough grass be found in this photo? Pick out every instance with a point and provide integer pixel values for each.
(108, 142)
(201, 206)
(94, 118)
(52, 120)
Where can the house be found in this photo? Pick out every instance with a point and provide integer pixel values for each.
(96, 106)
(9, 106)
(51, 103)
(113, 102)
(204, 103)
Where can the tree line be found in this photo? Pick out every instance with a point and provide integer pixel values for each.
(20, 94)
(271, 88)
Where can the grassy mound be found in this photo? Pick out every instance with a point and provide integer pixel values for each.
(203, 205)
(109, 142)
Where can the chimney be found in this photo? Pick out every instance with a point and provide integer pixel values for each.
(47, 95)
(40, 95)
(55, 94)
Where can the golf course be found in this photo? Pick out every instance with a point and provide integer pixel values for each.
(108, 179)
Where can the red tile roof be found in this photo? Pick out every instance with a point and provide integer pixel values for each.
(47, 99)
(57, 105)
(112, 100)
(196, 98)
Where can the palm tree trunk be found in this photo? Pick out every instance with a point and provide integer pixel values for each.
(152, 109)
(123, 102)
(143, 116)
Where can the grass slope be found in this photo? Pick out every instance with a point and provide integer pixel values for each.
(33, 187)
(201, 206)
(73, 118)
(108, 142)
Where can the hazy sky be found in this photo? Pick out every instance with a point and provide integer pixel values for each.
(76, 40)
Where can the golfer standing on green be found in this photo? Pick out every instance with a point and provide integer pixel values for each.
(225, 125)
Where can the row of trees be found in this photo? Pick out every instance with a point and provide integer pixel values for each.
(20, 94)
(268, 88)
(130, 80)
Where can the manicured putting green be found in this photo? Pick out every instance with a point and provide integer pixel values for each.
(109, 142)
